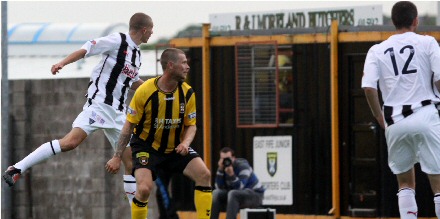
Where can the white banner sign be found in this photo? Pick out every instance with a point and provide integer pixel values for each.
(289, 19)
(273, 167)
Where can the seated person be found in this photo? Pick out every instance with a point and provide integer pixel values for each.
(236, 185)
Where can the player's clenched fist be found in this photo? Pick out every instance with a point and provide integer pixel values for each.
(56, 68)
(182, 149)
(113, 165)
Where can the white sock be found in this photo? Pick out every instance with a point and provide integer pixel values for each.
(40, 154)
(407, 203)
(437, 204)
(129, 187)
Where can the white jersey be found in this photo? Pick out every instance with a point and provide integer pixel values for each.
(117, 70)
(405, 65)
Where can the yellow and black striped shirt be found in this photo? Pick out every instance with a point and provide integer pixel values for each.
(161, 117)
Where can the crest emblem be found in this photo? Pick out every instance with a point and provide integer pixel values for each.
(143, 158)
(272, 162)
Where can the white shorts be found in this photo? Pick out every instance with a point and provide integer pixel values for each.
(415, 139)
(101, 116)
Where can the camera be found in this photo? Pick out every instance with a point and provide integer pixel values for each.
(227, 162)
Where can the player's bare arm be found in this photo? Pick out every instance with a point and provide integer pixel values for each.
(73, 57)
(188, 137)
(373, 101)
(136, 84)
(114, 163)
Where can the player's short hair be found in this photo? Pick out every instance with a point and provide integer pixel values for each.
(226, 150)
(170, 55)
(139, 21)
(403, 14)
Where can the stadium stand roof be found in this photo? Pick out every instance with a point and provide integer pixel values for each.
(64, 33)
(34, 47)
(55, 39)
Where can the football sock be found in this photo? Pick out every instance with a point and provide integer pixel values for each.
(437, 204)
(40, 154)
(203, 201)
(129, 187)
(407, 203)
(139, 210)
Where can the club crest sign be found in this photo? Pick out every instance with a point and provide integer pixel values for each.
(273, 166)
(272, 163)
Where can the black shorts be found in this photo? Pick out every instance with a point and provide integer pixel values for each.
(145, 156)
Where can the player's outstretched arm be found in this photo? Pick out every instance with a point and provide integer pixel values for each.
(114, 163)
(75, 56)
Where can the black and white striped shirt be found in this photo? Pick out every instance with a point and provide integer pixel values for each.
(406, 66)
(117, 70)
(397, 113)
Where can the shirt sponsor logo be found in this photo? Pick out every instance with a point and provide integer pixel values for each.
(96, 118)
(131, 111)
(169, 98)
(167, 123)
(192, 115)
(129, 72)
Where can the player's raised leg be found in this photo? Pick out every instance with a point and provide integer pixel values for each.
(129, 180)
(44, 152)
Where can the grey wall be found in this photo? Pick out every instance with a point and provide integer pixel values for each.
(69, 185)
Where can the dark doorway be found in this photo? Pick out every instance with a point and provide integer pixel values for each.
(364, 146)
